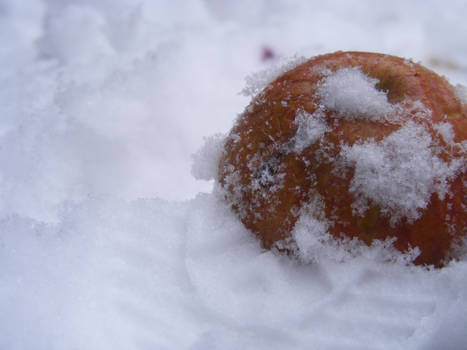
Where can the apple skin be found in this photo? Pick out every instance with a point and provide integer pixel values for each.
(254, 162)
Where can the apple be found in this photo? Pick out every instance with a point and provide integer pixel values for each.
(372, 145)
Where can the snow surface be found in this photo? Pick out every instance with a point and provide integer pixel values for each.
(106, 241)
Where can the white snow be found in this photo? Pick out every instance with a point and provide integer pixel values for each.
(206, 159)
(353, 95)
(104, 102)
(399, 173)
(446, 131)
(255, 82)
(461, 92)
(311, 127)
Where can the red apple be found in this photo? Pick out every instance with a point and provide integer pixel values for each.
(377, 140)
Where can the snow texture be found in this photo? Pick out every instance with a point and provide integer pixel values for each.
(446, 131)
(353, 95)
(398, 174)
(314, 244)
(461, 92)
(258, 80)
(206, 160)
(311, 127)
(103, 103)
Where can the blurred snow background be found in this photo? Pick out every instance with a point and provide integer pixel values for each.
(105, 242)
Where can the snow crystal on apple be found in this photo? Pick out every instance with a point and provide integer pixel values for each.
(461, 92)
(311, 127)
(266, 175)
(446, 131)
(399, 174)
(353, 94)
(311, 230)
(313, 243)
(257, 81)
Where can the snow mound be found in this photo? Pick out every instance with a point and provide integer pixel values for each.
(353, 95)
(114, 274)
(361, 293)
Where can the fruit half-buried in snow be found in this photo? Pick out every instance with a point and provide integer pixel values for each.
(374, 143)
